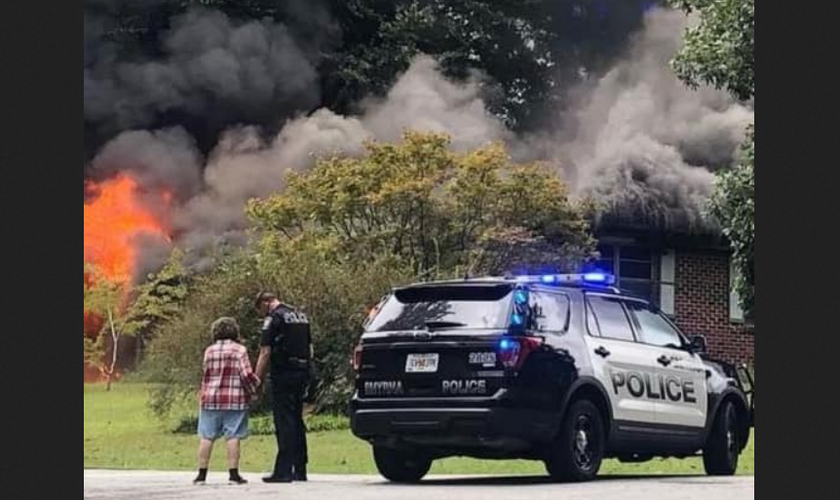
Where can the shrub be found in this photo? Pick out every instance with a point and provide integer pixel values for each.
(263, 425)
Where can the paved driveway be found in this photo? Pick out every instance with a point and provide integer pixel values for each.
(150, 485)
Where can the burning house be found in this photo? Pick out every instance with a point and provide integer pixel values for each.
(635, 140)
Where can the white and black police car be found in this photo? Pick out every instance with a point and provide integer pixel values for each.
(559, 368)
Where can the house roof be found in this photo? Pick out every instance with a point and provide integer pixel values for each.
(659, 230)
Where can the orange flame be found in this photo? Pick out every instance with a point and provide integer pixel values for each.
(112, 219)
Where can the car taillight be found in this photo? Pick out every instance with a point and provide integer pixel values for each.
(514, 351)
(357, 357)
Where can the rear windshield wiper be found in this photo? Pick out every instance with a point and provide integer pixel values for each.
(431, 325)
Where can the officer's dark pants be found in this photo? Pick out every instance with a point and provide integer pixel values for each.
(287, 399)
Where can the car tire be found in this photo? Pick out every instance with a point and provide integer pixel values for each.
(400, 466)
(577, 451)
(720, 455)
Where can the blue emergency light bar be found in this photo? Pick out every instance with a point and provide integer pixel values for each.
(590, 278)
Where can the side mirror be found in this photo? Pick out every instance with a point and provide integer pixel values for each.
(698, 344)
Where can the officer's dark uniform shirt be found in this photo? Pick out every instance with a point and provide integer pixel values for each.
(286, 330)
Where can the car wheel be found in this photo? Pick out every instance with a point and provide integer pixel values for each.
(720, 456)
(578, 450)
(400, 466)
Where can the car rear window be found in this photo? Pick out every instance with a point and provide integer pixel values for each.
(436, 307)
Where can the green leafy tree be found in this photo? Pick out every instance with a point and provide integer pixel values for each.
(157, 300)
(439, 210)
(305, 271)
(106, 299)
(733, 204)
(719, 52)
(127, 310)
(531, 50)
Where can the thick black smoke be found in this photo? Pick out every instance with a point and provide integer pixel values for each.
(200, 69)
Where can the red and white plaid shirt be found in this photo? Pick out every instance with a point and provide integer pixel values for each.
(228, 383)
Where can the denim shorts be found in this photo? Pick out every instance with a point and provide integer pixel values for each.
(232, 424)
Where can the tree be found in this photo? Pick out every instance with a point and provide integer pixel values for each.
(733, 204)
(124, 310)
(533, 51)
(306, 271)
(106, 299)
(158, 300)
(719, 51)
(439, 210)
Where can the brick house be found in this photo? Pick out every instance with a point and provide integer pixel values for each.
(687, 274)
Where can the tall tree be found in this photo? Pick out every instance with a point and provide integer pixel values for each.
(158, 300)
(733, 204)
(438, 209)
(532, 50)
(105, 299)
(719, 51)
(124, 310)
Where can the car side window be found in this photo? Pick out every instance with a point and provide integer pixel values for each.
(654, 329)
(551, 311)
(611, 318)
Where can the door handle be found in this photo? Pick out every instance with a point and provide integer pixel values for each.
(664, 360)
(601, 351)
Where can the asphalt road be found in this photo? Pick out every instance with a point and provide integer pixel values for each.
(149, 485)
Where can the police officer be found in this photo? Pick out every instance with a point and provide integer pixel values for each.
(285, 345)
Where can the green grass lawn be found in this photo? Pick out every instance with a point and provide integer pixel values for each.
(121, 433)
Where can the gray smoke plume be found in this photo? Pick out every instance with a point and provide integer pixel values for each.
(213, 67)
(159, 159)
(423, 99)
(643, 143)
(244, 166)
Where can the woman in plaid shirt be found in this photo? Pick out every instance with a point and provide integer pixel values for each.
(228, 386)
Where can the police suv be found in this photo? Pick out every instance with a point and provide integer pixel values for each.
(559, 368)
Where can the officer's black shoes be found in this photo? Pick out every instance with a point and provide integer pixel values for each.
(277, 479)
(300, 473)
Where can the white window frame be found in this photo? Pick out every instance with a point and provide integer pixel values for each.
(667, 282)
(736, 314)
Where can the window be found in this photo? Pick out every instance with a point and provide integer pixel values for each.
(610, 317)
(653, 328)
(667, 280)
(551, 311)
(422, 307)
(736, 314)
(632, 267)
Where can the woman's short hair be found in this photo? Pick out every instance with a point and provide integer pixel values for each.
(225, 328)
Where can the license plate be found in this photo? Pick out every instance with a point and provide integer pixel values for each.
(483, 358)
(421, 363)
